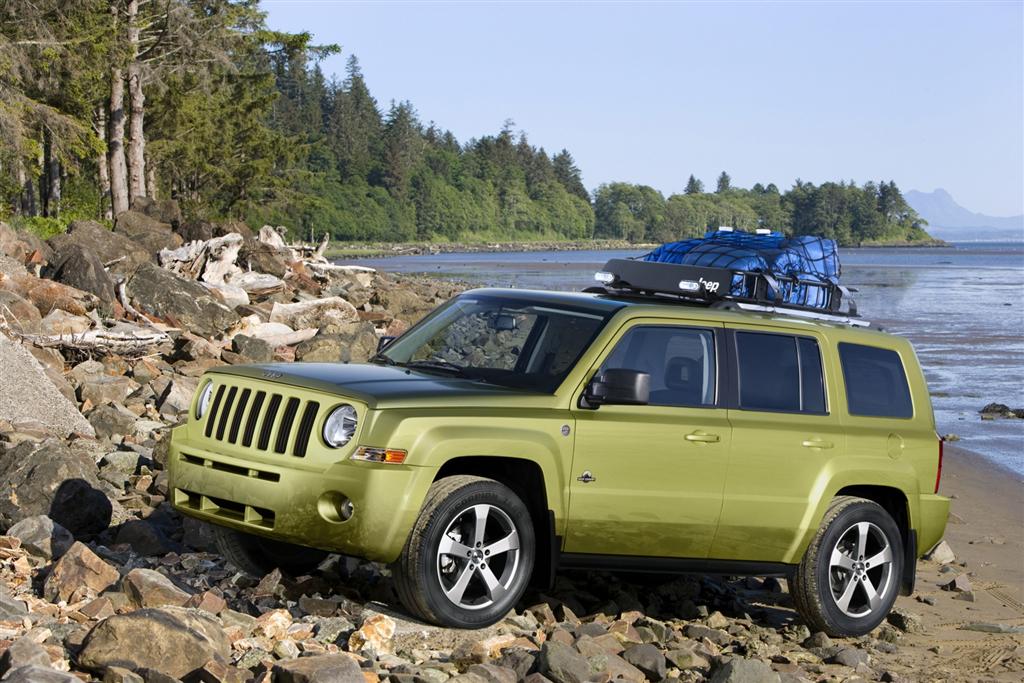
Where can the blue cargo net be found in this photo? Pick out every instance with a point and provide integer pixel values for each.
(791, 260)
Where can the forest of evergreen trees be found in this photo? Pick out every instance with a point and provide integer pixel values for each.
(102, 101)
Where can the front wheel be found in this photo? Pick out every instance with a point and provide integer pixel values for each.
(469, 556)
(849, 577)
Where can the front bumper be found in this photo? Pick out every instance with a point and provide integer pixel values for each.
(293, 505)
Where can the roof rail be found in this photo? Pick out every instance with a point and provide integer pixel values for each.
(714, 287)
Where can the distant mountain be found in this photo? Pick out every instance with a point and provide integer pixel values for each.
(948, 220)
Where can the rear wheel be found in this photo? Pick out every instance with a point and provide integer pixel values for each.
(849, 577)
(258, 556)
(469, 556)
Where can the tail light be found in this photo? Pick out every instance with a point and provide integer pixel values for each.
(938, 473)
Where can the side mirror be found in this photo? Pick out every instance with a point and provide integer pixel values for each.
(503, 323)
(383, 342)
(619, 387)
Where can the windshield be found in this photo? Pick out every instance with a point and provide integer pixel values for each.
(497, 339)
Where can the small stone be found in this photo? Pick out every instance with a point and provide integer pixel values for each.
(959, 584)
(818, 639)
(717, 620)
(735, 670)
(563, 664)
(150, 588)
(78, 572)
(687, 659)
(42, 537)
(286, 649)
(648, 659)
(273, 624)
(492, 673)
(335, 668)
(374, 636)
(849, 656)
(926, 599)
(986, 627)
(908, 622)
(941, 554)
(208, 601)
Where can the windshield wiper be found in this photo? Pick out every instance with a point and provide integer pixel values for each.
(437, 364)
(381, 358)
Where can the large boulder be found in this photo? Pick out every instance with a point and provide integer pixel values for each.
(182, 302)
(264, 258)
(107, 245)
(78, 266)
(27, 394)
(50, 478)
(153, 235)
(78, 574)
(195, 231)
(19, 313)
(172, 640)
(162, 210)
(315, 313)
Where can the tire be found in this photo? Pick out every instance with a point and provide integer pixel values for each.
(257, 556)
(446, 574)
(850, 575)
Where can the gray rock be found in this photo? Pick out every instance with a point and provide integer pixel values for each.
(107, 245)
(176, 641)
(959, 584)
(78, 266)
(849, 656)
(493, 673)
(818, 639)
(27, 394)
(121, 461)
(941, 553)
(150, 588)
(152, 235)
(648, 659)
(252, 349)
(106, 389)
(336, 668)
(735, 670)
(110, 420)
(908, 622)
(193, 231)
(11, 608)
(52, 479)
(186, 303)
(984, 627)
(145, 538)
(163, 210)
(563, 664)
(263, 258)
(42, 537)
(39, 674)
(23, 652)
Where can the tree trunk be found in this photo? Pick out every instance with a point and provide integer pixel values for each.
(115, 144)
(137, 100)
(151, 191)
(103, 171)
(50, 178)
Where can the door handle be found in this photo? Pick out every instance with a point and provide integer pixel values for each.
(701, 437)
(816, 443)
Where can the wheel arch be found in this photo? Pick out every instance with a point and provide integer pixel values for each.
(526, 479)
(894, 501)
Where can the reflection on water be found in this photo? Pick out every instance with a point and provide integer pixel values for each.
(962, 307)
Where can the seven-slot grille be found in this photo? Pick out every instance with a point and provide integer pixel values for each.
(261, 420)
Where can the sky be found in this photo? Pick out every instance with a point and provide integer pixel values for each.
(929, 94)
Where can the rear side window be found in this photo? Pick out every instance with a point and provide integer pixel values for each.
(876, 384)
(779, 372)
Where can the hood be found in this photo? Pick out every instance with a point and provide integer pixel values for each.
(379, 386)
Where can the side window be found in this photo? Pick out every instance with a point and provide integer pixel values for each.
(780, 372)
(876, 384)
(680, 361)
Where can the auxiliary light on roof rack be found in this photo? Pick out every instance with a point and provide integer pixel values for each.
(711, 286)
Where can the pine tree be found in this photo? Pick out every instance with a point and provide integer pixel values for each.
(724, 183)
(694, 186)
(568, 174)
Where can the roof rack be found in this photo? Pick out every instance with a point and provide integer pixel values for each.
(710, 286)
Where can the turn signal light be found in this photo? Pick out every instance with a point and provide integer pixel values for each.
(392, 456)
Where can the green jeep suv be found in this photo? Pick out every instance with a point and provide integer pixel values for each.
(512, 433)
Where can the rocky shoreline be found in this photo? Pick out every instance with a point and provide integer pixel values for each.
(103, 337)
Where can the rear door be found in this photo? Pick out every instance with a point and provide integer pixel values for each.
(785, 435)
(647, 480)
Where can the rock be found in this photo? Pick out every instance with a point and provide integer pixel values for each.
(78, 266)
(908, 622)
(27, 394)
(252, 349)
(150, 588)
(194, 231)
(23, 652)
(233, 226)
(106, 389)
(984, 627)
(263, 258)
(314, 314)
(941, 553)
(229, 295)
(492, 673)
(687, 658)
(152, 235)
(323, 348)
(174, 396)
(273, 624)
(20, 314)
(959, 584)
(11, 609)
(181, 302)
(374, 636)
(162, 210)
(997, 410)
(108, 246)
(648, 659)
(109, 420)
(62, 323)
(52, 479)
(42, 537)
(736, 670)
(208, 601)
(78, 572)
(849, 656)
(171, 640)
(146, 539)
(562, 664)
(39, 674)
(334, 668)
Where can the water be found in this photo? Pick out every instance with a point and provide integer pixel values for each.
(961, 306)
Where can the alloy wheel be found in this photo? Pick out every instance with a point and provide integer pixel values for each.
(478, 557)
(860, 570)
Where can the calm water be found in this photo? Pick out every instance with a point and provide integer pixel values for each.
(962, 307)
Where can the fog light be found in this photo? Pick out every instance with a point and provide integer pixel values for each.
(335, 507)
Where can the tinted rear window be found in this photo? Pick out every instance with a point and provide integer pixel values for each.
(876, 384)
(779, 372)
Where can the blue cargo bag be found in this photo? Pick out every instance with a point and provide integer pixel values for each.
(789, 260)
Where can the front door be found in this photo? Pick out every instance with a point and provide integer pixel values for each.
(647, 480)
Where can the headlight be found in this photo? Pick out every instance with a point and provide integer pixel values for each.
(203, 404)
(340, 426)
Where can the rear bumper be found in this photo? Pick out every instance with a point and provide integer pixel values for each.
(933, 512)
(295, 505)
